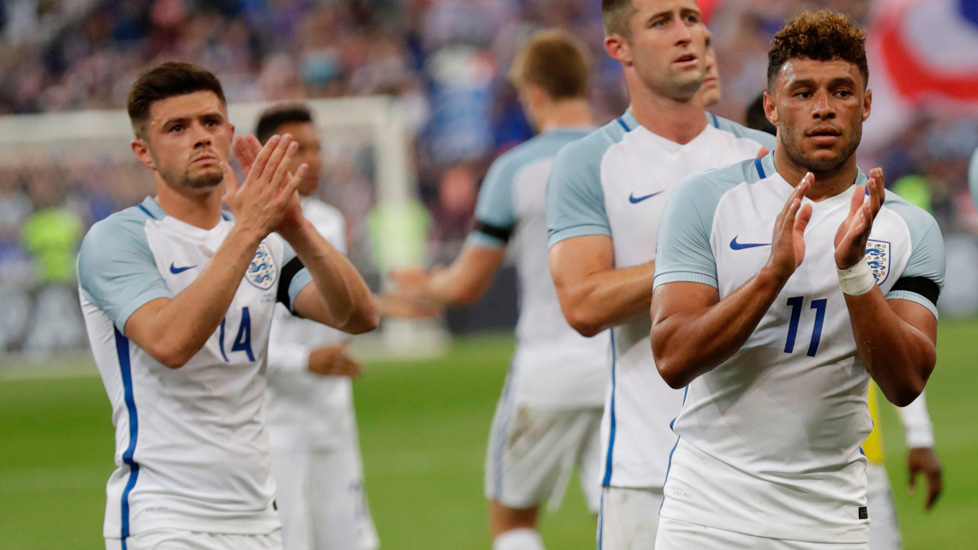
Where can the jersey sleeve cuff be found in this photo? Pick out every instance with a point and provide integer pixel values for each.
(578, 231)
(919, 436)
(478, 238)
(301, 279)
(683, 277)
(138, 302)
(913, 297)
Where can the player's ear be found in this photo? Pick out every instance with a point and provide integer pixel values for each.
(140, 148)
(867, 104)
(618, 49)
(770, 109)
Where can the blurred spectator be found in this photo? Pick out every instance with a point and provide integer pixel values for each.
(445, 59)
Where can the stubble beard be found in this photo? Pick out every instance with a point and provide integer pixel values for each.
(796, 153)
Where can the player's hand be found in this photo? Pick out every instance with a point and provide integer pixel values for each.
(788, 240)
(397, 305)
(266, 195)
(333, 361)
(850, 239)
(923, 460)
(246, 150)
(411, 282)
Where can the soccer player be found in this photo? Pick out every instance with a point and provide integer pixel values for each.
(548, 418)
(312, 427)
(178, 298)
(604, 198)
(782, 286)
(884, 530)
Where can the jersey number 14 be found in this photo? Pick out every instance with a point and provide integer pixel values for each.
(242, 342)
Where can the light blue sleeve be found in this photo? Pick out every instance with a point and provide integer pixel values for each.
(683, 252)
(973, 178)
(575, 198)
(927, 258)
(741, 131)
(116, 269)
(495, 215)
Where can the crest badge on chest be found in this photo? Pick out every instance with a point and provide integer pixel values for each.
(262, 271)
(878, 258)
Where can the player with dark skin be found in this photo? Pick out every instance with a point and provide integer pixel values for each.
(819, 108)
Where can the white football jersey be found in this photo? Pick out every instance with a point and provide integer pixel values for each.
(191, 450)
(615, 182)
(307, 410)
(769, 440)
(553, 366)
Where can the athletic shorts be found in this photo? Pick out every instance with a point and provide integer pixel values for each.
(175, 539)
(321, 500)
(680, 535)
(533, 451)
(629, 518)
(884, 531)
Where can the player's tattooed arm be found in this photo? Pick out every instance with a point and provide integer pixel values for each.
(593, 295)
(174, 330)
(896, 339)
(693, 331)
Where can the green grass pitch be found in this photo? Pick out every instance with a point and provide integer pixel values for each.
(423, 429)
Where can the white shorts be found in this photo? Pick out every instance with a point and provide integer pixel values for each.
(533, 451)
(176, 539)
(884, 530)
(629, 518)
(680, 535)
(321, 500)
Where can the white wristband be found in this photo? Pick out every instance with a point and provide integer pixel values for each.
(858, 279)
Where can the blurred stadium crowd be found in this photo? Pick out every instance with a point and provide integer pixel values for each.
(445, 59)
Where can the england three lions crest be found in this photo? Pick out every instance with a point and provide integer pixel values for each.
(878, 258)
(262, 271)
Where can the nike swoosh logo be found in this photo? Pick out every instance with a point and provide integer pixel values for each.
(176, 270)
(741, 246)
(635, 200)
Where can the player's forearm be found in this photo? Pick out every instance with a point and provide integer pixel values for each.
(467, 279)
(179, 329)
(690, 343)
(344, 301)
(605, 299)
(898, 356)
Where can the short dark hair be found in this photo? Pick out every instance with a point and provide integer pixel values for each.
(820, 35)
(615, 15)
(165, 81)
(556, 62)
(272, 118)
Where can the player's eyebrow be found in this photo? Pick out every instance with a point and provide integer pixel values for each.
(184, 119)
(812, 83)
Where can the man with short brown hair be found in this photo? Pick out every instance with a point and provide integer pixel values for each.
(178, 295)
(548, 417)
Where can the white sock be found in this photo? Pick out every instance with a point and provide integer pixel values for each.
(518, 539)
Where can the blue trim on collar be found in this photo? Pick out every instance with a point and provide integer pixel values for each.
(623, 125)
(760, 168)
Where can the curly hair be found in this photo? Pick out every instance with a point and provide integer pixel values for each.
(821, 35)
